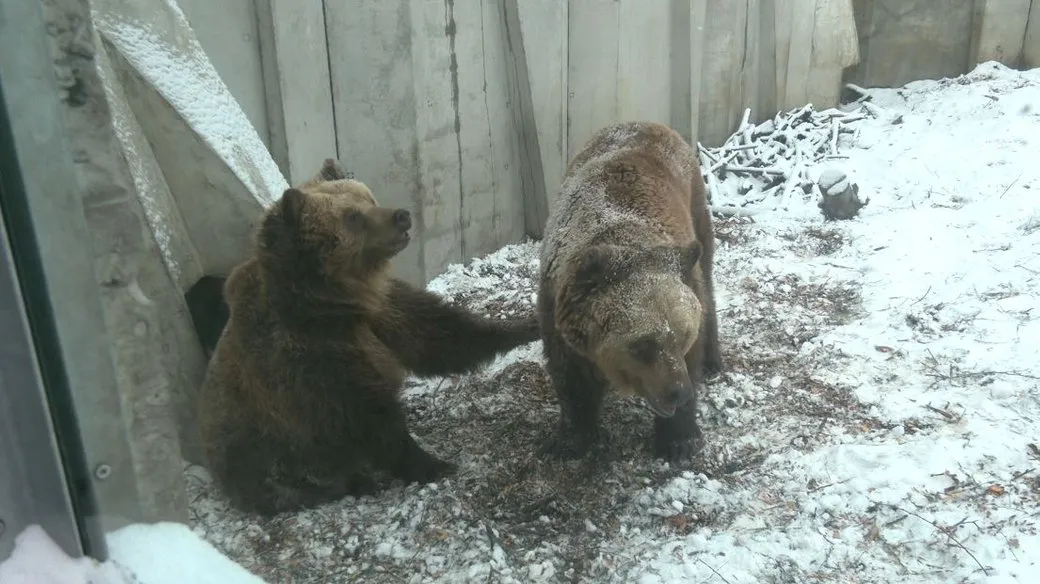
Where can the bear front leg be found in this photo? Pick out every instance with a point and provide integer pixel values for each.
(580, 393)
(678, 437)
(434, 338)
(711, 362)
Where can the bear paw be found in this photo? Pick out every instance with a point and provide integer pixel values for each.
(675, 450)
(566, 446)
(428, 470)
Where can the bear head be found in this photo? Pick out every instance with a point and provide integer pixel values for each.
(631, 312)
(330, 226)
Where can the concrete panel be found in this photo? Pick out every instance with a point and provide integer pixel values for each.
(395, 119)
(422, 108)
(1031, 45)
(907, 40)
(799, 59)
(681, 67)
(1001, 32)
(508, 223)
(698, 36)
(835, 46)
(298, 88)
(227, 31)
(490, 212)
(721, 96)
(592, 69)
(164, 218)
(543, 29)
(644, 67)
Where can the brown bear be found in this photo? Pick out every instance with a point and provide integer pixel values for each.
(300, 405)
(626, 296)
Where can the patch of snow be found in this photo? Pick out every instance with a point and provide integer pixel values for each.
(180, 71)
(878, 422)
(170, 553)
(158, 553)
(36, 559)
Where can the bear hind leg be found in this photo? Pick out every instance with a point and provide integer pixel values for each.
(392, 448)
(265, 479)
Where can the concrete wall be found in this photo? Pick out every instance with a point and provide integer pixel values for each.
(542, 75)
(905, 40)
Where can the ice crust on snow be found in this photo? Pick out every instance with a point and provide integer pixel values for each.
(879, 423)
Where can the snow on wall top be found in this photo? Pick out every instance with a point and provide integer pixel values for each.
(178, 68)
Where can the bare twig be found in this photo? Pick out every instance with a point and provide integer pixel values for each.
(947, 532)
(716, 572)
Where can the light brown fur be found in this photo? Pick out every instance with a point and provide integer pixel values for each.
(626, 295)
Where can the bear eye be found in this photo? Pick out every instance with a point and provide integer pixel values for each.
(645, 349)
(354, 219)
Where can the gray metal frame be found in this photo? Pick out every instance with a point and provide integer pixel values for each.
(33, 489)
(65, 462)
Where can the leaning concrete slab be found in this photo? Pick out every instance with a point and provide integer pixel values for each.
(177, 347)
(216, 165)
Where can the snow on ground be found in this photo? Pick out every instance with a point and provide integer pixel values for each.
(156, 553)
(878, 421)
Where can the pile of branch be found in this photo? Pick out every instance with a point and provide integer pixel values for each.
(772, 158)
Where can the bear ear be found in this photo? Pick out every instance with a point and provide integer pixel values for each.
(597, 265)
(290, 207)
(331, 170)
(283, 220)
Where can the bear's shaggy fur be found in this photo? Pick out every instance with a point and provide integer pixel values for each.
(626, 296)
(300, 404)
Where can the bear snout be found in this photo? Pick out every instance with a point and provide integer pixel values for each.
(678, 395)
(402, 219)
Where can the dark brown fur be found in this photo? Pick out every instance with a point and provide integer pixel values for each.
(632, 233)
(300, 405)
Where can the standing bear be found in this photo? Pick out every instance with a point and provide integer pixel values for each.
(300, 404)
(626, 297)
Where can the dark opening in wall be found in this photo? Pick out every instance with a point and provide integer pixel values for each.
(209, 312)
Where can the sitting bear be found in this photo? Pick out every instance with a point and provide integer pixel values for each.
(300, 404)
(626, 297)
